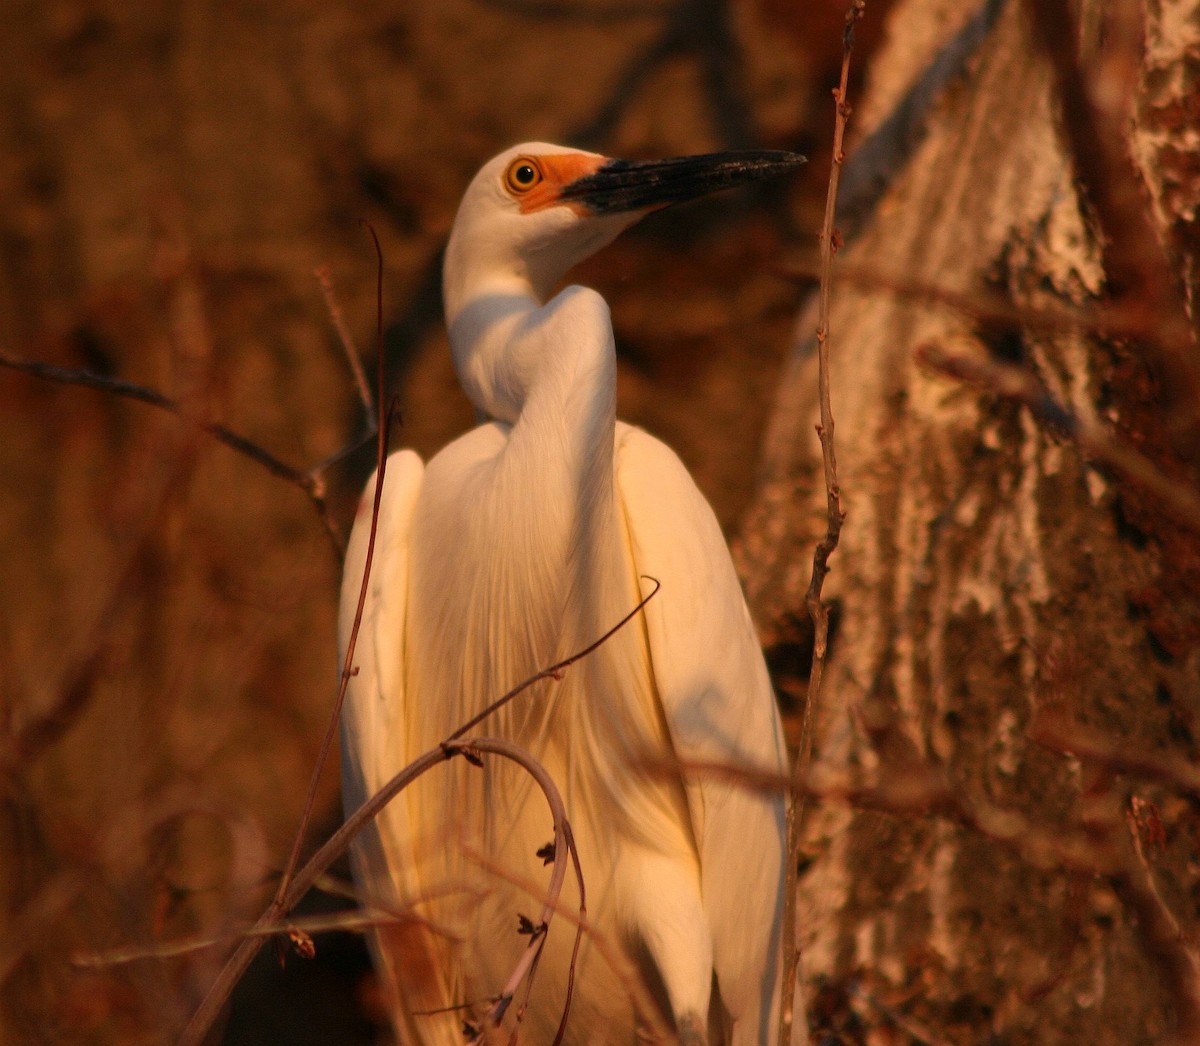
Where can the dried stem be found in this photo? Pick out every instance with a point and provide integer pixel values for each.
(647, 1008)
(130, 390)
(337, 844)
(325, 277)
(563, 844)
(555, 671)
(347, 922)
(562, 1024)
(1020, 384)
(825, 547)
(1162, 938)
(1093, 124)
(383, 434)
(989, 308)
(310, 481)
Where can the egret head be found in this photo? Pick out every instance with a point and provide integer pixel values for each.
(537, 210)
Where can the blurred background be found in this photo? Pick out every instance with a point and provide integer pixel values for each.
(172, 175)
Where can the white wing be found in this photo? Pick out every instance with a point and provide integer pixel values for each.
(374, 742)
(718, 703)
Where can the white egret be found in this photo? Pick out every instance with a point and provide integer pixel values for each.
(520, 542)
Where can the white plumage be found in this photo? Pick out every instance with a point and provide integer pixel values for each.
(520, 542)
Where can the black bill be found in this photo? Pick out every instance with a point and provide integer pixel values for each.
(634, 185)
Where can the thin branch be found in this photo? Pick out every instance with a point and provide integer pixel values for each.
(563, 842)
(825, 547)
(921, 789)
(1022, 385)
(348, 921)
(383, 433)
(1162, 939)
(1053, 727)
(1114, 319)
(1098, 846)
(331, 728)
(647, 1009)
(130, 390)
(555, 671)
(579, 927)
(310, 482)
(1093, 124)
(202, 1020)
(349, 352)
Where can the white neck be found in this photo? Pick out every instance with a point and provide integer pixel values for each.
(484, 339)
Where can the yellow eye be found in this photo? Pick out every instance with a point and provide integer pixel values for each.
(522, 175)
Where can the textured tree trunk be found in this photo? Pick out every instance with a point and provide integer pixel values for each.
(990, 571)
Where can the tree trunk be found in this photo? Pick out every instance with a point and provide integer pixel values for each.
(993, 578)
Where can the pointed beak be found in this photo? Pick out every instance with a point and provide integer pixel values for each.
(639, 185)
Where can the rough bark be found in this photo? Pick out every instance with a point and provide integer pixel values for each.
(988, 569)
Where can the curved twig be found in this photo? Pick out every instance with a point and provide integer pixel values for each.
(644, 1004)
(563, 843)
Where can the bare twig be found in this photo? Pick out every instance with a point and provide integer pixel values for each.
(1055, 728)
(555, 671)
(578, 868)
(325, 277)
(1139, 273)
(647, 1009)
(1096, 847)
(337, 844)
(348, 921)
(915, 789)
(310, 481)
(130, 390)
(1114, 825)
(1162, 939)
(825, 547)
(1020, 384)
(1116, 319)
(563, 842)
(383, 433)
(202, 1020)
(370, 411)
